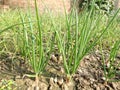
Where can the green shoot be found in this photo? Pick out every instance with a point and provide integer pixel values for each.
(110, 66)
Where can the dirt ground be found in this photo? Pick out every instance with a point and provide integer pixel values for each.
(89, 76)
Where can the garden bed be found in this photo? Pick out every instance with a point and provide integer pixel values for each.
(89, 76)
(76, 51)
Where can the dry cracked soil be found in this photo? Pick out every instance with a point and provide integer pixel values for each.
(89, 76)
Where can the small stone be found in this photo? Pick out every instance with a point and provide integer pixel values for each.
(55, 80)
(51, 80)
(60, 82)
(60, 59)
(92, 80)
(86, 82)
(103, 78)
(69, 85)
(18, 77)
(98, 58)
(97, 88)
(76, 79)
(43, 86)
(94, 85)
(80, 71)
(29, 88)
(65, 87)
(37, 88)
(62, 70)
(53, 58)
(108, 64)
(87, 57)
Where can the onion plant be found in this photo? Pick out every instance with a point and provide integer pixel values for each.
(38, 55)
(33, 41)
(110, 66)
(24, 37)
(79, 38)
(34, 49)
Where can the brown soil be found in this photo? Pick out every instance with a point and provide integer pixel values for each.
(89, 75)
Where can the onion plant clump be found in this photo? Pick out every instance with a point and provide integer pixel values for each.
(32, 40)
(35, 43)
(34, 49)
(110, 66)
(79, 38)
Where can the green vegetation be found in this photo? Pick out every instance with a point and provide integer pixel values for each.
(35, 37)
(104, 6)
(7, 85)
(110, 65)
(75, 43)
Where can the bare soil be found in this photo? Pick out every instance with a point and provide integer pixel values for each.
(89, 76)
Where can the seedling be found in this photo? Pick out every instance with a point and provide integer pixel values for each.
(110, 66)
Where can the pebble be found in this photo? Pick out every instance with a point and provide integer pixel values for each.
(51, 80)
(53, 58)
(55, 80)
(60, 81)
